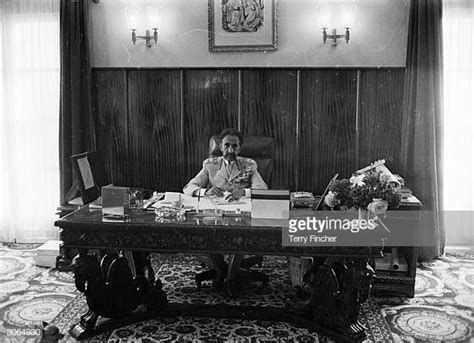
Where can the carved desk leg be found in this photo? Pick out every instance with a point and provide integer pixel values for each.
(338, 290)
(63, 261)
(88, 280)
(149, 288)
(334, 292)
(113, 293)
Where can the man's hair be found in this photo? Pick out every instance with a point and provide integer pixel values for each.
(232, 132)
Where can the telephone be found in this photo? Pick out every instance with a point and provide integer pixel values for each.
(299, 195)
(302, 199)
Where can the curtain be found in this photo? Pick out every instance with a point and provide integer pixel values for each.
(29, 114)
(76, 128)
(458, 53)
(422, 134)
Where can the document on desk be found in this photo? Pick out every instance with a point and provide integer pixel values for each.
(242, 205)
(219, 203)
(205, 203)
(187, 201)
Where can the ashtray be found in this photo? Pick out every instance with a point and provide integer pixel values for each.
(170, 214)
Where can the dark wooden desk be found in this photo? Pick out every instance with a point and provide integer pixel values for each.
(86, 229)
(335, 291)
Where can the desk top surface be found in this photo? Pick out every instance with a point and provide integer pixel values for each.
(208, 232)
(86, 217)
(226, 234)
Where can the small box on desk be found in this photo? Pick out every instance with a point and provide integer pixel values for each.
(115, 202)
(46, 254)
(302, 199)
(273, 204)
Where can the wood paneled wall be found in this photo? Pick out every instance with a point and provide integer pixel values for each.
(153, 125)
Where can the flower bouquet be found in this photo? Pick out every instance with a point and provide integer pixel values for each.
(371, 190)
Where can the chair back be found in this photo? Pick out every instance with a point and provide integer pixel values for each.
(258, 148)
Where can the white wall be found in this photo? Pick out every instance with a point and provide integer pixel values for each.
(378, 38)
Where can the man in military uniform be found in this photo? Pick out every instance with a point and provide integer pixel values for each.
(229, 176)
(227, 173)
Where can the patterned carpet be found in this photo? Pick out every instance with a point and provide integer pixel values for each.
(443, 307)
(441, 311)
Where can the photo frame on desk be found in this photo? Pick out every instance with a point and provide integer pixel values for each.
(242, 25)
(90, 172)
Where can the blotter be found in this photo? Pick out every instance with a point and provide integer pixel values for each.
(270, 203)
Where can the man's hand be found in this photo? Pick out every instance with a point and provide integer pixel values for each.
(215, 191)
(237, 193)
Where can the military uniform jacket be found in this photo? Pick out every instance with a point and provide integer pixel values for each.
(214, 173)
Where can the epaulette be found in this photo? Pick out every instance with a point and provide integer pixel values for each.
(211, 160)
(247, 160)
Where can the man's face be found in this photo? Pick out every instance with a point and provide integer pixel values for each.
(230, 147)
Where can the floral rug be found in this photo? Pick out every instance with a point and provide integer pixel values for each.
(442, 309)
(177, 274)
(29, 294)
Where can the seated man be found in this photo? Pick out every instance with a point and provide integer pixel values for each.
(228, 173)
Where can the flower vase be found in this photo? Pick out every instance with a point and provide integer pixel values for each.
(363, 214)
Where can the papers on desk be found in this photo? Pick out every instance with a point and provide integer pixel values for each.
(243, 205)
(154, 198)
(411, 200)
(203, 203)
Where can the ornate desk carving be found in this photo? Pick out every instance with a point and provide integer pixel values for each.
(328, 303)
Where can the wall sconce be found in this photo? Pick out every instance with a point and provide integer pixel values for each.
(326, 15)
(135, 16)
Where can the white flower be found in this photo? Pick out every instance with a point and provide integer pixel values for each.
(330, 199)
(377, 206)
(357, 180)
(385, 177)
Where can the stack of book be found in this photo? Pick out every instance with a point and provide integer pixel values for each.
(270, 203)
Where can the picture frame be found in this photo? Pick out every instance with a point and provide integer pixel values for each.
(89, 170)
(242, 25)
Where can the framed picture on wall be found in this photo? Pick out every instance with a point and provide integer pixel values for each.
(242, 25)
